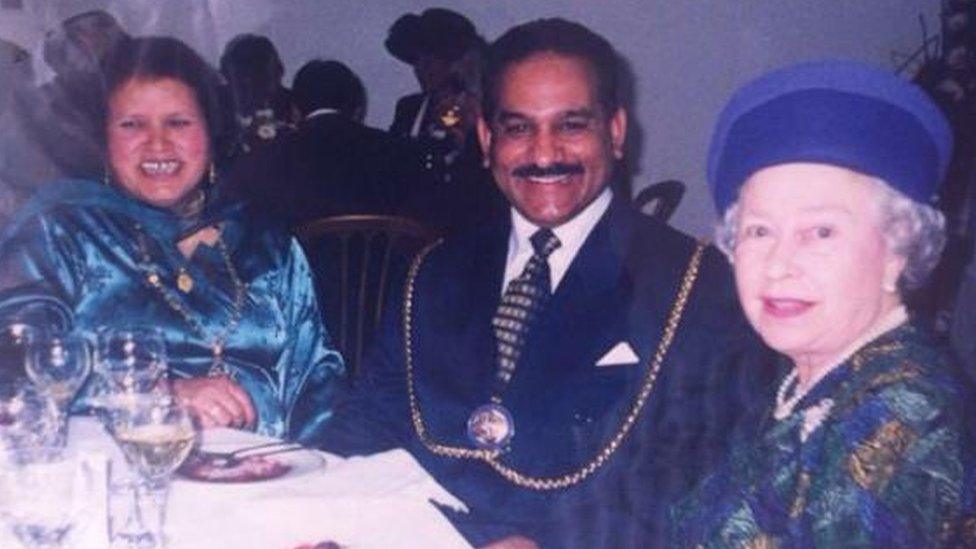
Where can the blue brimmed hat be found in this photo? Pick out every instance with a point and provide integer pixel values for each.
(834, 112)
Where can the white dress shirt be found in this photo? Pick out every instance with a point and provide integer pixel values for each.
(571, 236)
(319, 112)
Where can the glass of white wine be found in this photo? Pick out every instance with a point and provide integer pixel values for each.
(156, 435)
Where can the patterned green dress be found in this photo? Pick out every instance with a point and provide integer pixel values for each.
(876, 455)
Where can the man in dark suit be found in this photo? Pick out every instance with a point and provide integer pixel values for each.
(434, 43)
(570, 369)
(446, 53)
(333, 164)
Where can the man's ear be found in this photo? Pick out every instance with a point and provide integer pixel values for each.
(618, 132)
(484, 139)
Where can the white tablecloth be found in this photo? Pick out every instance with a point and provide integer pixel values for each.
(377, 501)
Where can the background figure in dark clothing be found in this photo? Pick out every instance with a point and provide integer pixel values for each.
(332, 164)
(54, 132)
(437, 43)
(446, 53)
(262, 106)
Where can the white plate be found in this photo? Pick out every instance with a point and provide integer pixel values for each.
(300, 462)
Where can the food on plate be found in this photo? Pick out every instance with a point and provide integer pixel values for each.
(206, 467)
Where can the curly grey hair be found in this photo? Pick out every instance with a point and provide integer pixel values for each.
(912, 230)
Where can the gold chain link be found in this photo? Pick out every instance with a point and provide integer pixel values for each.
(491, 456)
(154, 280)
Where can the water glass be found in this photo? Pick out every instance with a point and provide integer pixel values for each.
(46, 495)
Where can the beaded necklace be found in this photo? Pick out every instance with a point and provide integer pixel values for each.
(172, 299)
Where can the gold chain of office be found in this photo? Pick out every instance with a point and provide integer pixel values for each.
(491, 456)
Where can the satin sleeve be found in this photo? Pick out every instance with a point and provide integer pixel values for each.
(310, 366)
(42, 272)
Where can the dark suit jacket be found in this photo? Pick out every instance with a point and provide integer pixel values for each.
(449, 196)
(405, 114)
(619, 288)
(330, 166)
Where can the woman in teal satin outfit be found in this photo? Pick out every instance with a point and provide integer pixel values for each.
(157, 245)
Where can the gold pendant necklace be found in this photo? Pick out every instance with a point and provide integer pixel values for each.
(184, 283)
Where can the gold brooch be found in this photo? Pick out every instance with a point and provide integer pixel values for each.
(184, 281)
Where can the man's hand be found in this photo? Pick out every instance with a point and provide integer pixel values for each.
(216, 401)
(512, 542)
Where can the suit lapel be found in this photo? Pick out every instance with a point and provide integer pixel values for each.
(457, 349)
(588, 309)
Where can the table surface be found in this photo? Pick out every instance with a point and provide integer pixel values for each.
(376, 501)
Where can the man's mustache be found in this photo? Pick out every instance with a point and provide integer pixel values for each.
(555, 170)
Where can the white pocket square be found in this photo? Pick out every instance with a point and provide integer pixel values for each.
(621, 353)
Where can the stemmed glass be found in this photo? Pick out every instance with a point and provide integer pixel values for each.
(59, 365)
(156, 435)
(28, 421)
(14, 340)
(129, 361)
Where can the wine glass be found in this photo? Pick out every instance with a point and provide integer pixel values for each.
(14, 339)
(156, 435)
(130, 360)
(59, 364)
(28, 422)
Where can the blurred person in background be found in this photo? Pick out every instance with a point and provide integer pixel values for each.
(262, 106)
(15, 76)
(332, 164)
(53, 132)
(454, 190)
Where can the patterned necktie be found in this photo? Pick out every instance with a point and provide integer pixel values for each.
(523, 299)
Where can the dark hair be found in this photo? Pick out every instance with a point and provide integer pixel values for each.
(557, 36)
(158, 57)
(250, 54)
(328, 84)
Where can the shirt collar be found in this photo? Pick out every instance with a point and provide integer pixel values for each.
(320, 112)
(571, 235)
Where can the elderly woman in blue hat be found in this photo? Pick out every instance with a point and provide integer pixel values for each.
(823, 173)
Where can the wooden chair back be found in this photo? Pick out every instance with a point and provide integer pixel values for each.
(660, 199)
(355, 259)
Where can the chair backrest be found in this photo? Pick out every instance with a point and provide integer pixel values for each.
(355, 259)
(660, 199)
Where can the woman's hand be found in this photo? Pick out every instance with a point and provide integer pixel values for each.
(216, 401)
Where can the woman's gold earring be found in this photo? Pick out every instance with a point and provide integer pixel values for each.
(213, 175)
(106, 180)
